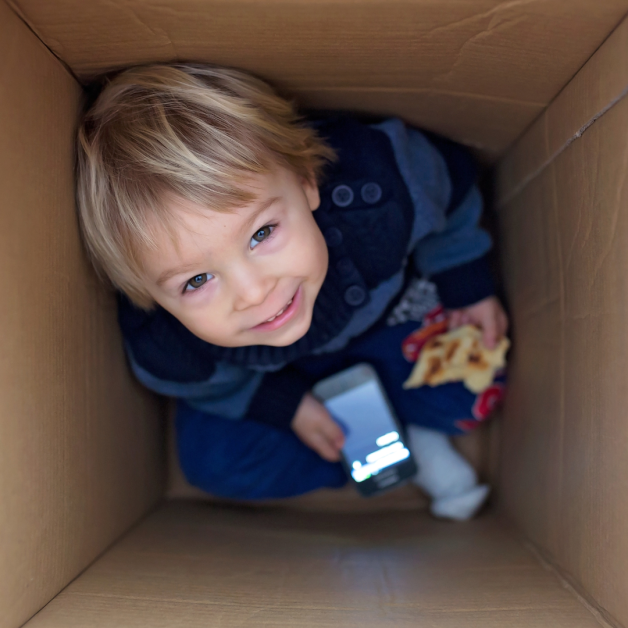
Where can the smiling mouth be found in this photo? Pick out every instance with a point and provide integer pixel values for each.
(285, 314)
(281, 311)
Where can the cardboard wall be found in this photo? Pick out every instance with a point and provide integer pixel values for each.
(272, 568)
(79, 449)
(564, 215)
(79, 445)
(479, 71)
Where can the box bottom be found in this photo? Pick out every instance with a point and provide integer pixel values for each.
(196, 565)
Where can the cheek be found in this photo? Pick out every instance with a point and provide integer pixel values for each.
(210, 326)
(309, 252)
(320, 255)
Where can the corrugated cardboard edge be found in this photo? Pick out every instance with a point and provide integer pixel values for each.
(596, 89)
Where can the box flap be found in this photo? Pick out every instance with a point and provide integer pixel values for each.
(601, 83)
(479, 70)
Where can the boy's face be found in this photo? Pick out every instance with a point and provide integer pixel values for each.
(249, 276)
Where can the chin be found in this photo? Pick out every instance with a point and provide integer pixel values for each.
(291, 336)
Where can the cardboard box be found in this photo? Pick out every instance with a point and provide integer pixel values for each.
(538, 87)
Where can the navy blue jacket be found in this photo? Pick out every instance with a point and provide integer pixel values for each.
(398, 203)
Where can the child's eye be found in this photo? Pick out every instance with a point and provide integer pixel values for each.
(261, 234)
(196, 282)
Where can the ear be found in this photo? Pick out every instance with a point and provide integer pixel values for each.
(311, 192)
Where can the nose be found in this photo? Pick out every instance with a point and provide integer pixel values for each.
(250, 287)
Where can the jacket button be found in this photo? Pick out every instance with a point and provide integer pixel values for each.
(345, 266)
(333, 236)
(354, 295)
(371, 193)
(342, 195)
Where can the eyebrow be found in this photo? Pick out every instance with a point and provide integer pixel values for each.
(173, 272)
(169, 274)
(260, 208)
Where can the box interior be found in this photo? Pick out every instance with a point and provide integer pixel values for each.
(538, 89)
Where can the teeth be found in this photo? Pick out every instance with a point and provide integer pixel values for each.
(280, 311)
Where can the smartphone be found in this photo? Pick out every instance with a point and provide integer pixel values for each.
(375, 453)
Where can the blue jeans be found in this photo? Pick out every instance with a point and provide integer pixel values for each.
(250, 460)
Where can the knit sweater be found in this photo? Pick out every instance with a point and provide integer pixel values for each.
(397, 204)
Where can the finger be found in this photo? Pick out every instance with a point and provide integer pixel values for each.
(333, 433)
(489, 336)
(501, 324)
(338, 439)
(465, 319)
(324, 448)
(454, 319)
(504, 323)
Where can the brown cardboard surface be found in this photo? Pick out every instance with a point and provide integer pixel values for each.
(196, 565)
(79, 442)
(600, 83)
(480, 71)
(531, 445)
(565, 466)
(487, 124)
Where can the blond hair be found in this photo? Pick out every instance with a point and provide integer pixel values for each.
(188, 131)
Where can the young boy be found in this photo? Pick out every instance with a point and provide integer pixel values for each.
(256, 254)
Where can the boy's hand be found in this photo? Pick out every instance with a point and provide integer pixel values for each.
(488, 315)
(315, 427)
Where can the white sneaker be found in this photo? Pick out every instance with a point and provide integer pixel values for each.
(461, 507)
(445, 475)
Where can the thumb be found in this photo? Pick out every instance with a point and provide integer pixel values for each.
(489, 335)
(333, 433)
(325, 449)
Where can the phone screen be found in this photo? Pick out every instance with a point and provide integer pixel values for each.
(372, 439)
